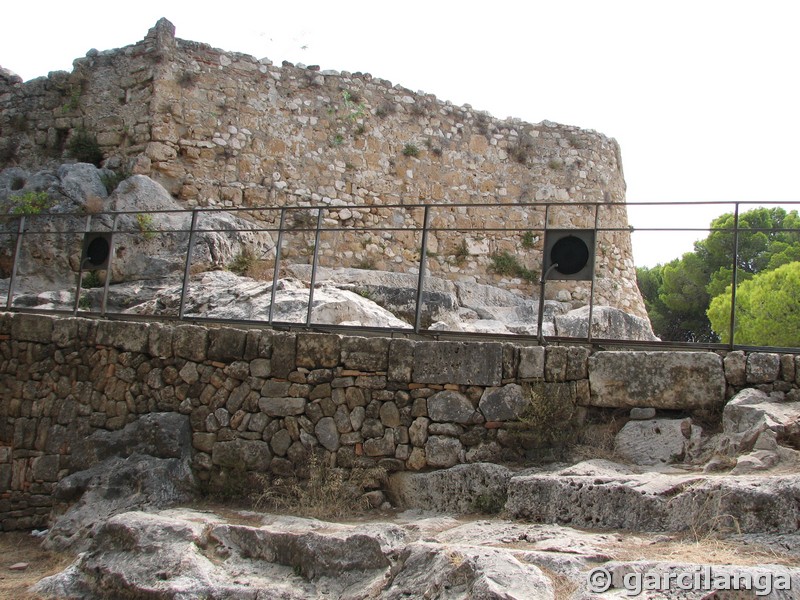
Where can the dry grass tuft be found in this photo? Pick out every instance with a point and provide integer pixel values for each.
(22, 547)
(328, 493)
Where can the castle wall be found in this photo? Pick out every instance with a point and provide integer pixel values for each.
(219, 128)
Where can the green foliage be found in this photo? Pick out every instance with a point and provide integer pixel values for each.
(91, 279)
(111, 179)
(555, 164)
(490, 503)
(410, 150)
(83, 147)
(145, 224)
(461, 253)
(528, 240)
(504, 263)
(767, 309)
(30, 203)
(678, 294)
(243, 262)
(355, 109)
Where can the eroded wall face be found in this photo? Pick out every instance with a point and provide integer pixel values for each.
(224, 129)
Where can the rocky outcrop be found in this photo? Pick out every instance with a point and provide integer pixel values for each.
(151, 245)
(183, 553)
(144, 465)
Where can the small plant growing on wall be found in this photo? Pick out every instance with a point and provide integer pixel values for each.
(555, 164)
(528, 240)
(504, 263)
(243, 262)
(83, 147)
(410, 150)
(462, 253)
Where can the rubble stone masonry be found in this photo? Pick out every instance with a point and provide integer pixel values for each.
(260, 401)
(218, 128)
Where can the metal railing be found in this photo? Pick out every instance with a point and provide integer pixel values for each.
(282, 222)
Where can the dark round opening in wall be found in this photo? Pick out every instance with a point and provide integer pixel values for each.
(97, 251)
(570, 253)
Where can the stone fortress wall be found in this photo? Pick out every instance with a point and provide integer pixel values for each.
(259, 401)
(223, 129)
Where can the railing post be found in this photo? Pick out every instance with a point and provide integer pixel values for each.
(17, 250)
(187, 266)
(276, 269)
(423, 254)
(734, 274)
(104, 303)
(591, 284)
(313, 281)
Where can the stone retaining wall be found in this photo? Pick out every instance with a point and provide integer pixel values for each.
(261, 400)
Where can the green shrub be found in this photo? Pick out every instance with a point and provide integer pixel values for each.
(410, 150)
(504, 263)
(242, 262)
(92, 279)
(146, 225)
(528, 240)
(83, 147)
(112, 179)
(30, 203)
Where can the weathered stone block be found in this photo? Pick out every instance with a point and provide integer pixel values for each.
(555, 363)
(443, 452)
(282, 407)
(504, 403)
(763, 367)
(32, 328)
(662, 380)
(316, 351)
(401, 361)
(327, 433)
(190, 342)
(365, 354)
(735, 364)
(531, 362)
(450, 406)
(252, 455)
(284, 347)
(458, 363)
(130, 337)
(226, 343)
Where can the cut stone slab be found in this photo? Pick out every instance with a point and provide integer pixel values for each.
(661, 380)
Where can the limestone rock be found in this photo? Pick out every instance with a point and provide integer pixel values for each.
(658, 441)
(467, 572)
(141, 251)
(144, 465)
(657, 502)
(607, 323)
(661, 380)
(504, 403)
(461, 489)
(450, 407)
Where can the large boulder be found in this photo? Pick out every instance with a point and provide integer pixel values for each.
(152, 232)
(224, 295)
(658, 441)
(607, 323)
(144, 465)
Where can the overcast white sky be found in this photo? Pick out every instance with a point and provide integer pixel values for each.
(702, 95)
